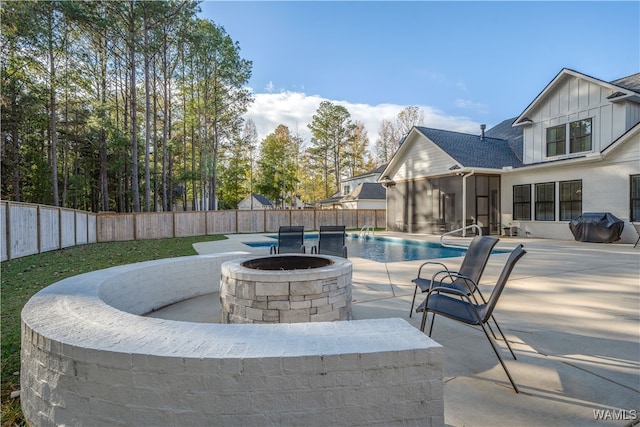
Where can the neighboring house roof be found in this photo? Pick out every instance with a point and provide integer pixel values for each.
(366, 191)
(376, 171)
(335, 199)
(474, 151)
(262, 200)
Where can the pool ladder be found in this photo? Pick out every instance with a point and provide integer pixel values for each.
(364, 231)
(468, 227)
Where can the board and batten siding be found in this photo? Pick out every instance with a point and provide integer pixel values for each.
(575, 99)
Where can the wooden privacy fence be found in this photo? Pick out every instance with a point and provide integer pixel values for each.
(30, 229)
(141, 226)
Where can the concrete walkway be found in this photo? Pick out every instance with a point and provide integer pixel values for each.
(571, 311)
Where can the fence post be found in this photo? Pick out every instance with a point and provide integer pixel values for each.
(8, 230)
(59, 227)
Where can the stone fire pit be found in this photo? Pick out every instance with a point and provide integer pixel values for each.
(289, 288)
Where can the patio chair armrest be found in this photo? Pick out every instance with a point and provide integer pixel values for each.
(445, 273)
(468, 281)
(428, 263)
(447, 290)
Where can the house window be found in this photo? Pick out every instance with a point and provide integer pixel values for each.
(579, 138)
(346, 190)
(545, 201)
(556, 140)
(522, 202)
(635, 198)
(570, 199)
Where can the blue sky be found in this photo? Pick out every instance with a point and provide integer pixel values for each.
(463, 63)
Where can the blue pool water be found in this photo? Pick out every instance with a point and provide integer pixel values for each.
(381, 249)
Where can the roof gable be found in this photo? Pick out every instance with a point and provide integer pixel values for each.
(367, 191)
(624, 88)
(474, 151)
(262, 199)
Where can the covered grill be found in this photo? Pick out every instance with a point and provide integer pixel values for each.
(596, 227)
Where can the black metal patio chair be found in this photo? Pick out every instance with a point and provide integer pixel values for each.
(290, 240)
(331, 241)
(458, 305)
(472, 267)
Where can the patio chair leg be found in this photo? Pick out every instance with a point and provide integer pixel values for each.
(503, 337)
(413, 301)
(495, 350)
(423, 322)
(637, 241)
(433, 320)
(491, 330)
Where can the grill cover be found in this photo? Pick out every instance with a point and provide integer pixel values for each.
(596, 227)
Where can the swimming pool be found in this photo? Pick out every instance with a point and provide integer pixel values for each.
(381, 249)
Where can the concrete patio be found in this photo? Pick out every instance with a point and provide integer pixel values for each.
(570, 309)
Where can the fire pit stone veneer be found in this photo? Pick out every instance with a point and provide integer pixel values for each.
(288, 288)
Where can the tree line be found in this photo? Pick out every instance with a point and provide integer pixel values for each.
(133, 106)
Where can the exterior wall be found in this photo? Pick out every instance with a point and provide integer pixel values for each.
(605, 188)
(354, 182)
(632, 111)
(574, 99)
(365, 204)
(421, 159)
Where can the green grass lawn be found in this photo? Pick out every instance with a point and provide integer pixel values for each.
(23, 277)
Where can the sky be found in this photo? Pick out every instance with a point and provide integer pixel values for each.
(463, 63)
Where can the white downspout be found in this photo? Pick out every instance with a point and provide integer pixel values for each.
(464, 201)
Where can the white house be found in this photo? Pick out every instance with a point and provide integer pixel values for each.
(255, 201)
(347, 185)
(366, 195)
(361, 191)
(574, 149)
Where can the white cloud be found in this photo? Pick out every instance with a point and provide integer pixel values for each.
(296, 109)
(470, 105)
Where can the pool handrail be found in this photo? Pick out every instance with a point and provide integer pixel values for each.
(463, 229)
(364, 231)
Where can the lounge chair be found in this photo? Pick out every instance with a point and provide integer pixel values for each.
(458, 305)
(331, 241)
(473, 264)
(290, 240)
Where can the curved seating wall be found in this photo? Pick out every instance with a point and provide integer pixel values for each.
(89, 358)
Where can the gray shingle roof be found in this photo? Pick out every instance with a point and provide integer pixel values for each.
(377, 170)
(497, 149)
(631, 82)
(262, 200)
(367, 191)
